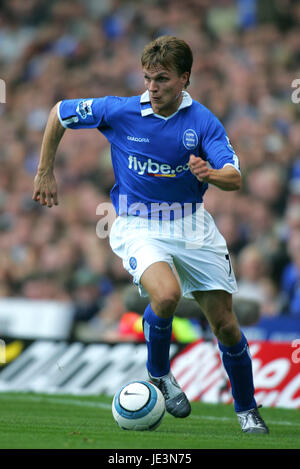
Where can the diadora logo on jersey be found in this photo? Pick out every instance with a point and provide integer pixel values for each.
(151, 168)
(138, 139)
(190, 139)
(84, 108)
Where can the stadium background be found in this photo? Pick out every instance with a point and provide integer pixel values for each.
(246, 57)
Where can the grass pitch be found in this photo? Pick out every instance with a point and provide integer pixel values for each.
(39, 421)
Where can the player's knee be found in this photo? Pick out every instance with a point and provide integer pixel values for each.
(165, 303)
(227, 332)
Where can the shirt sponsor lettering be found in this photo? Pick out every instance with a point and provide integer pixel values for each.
(152, 168)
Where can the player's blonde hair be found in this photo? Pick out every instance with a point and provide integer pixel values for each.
(169, 52)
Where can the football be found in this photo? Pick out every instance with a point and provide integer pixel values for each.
(138, 405)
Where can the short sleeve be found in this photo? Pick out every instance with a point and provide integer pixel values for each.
(216, 145)
(82, 113)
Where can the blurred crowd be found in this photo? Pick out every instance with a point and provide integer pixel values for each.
(246, 56)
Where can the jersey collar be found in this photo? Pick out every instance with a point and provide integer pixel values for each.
(146, 108)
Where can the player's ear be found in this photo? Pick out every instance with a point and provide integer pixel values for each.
(185, 77)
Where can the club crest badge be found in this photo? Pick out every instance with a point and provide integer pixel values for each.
(133, 263)
(190, 139)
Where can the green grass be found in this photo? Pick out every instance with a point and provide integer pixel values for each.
(36, 421)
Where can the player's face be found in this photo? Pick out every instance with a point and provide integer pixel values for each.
(165, 87)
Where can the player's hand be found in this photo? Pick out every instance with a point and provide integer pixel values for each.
(199, 168)
(45, 188)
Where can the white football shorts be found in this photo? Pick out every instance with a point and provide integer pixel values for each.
(193, 245)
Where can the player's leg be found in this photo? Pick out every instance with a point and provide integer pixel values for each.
(164, 291)
(162, 287)
(148, 260)
(233, 345)
(217, 306)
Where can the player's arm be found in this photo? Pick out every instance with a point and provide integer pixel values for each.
(227, 178)
(224, 168)
(67, 114)
(45, 187)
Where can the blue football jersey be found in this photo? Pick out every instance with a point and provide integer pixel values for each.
(150, 153)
